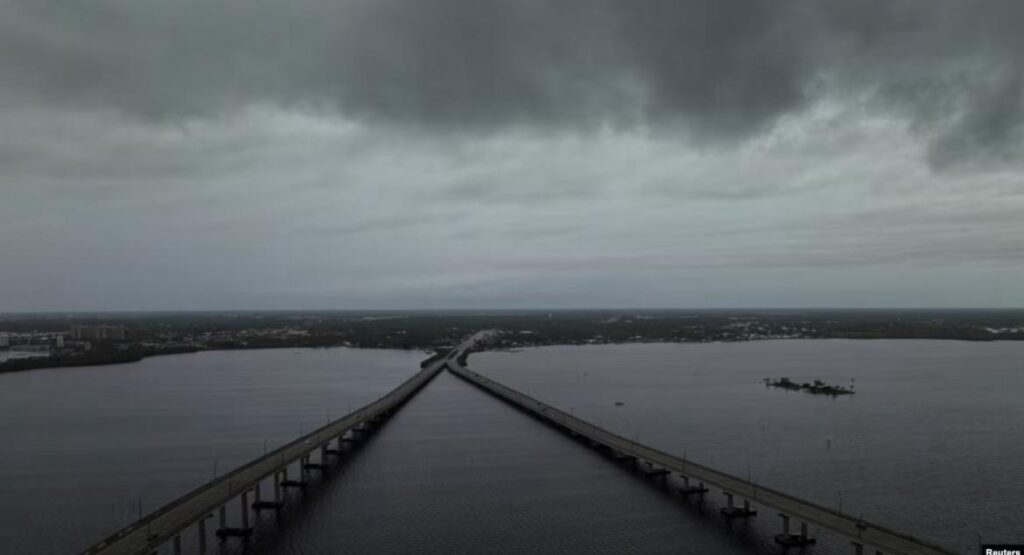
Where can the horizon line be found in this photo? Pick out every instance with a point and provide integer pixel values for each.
(497, 309)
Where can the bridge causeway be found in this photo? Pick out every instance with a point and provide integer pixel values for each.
(681, 473)
(167, 523)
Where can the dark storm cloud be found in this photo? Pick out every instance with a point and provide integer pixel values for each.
(716, 69)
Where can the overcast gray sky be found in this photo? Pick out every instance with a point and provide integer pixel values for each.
(189, 154)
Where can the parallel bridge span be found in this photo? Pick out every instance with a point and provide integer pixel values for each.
(168, 522)
(860, 532)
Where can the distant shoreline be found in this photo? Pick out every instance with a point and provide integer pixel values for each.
(43, 363)
(107, 358)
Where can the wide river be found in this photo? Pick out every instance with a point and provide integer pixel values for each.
(84, 448)
(931, 444)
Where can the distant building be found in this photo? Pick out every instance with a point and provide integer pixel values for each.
(5, 341)
(60, 341)
(98, 333)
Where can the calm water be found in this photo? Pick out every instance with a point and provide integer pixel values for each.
(932, 443)
(83, 446)
(456, 471)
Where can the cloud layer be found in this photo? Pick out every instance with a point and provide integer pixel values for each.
(496, 153)
(710, 68)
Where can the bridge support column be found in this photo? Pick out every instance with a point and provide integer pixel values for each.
(177, 545)
(245, 510)
(259, 504)
(202, 535)
(225, 531)
(300, 483)
(790, 540)
(858, 548)
(687, 489)
(736, 512)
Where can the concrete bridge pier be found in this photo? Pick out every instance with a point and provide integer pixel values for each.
(656, 473)
(245, 510)
(224, 530)
(793, 540)
(363, 428)
(202, 534)
(731, 511)
(332, 452)
(286, 483)
(700, 489)
(177, 544)
(259, 504)
(308, 463)
(858, 548)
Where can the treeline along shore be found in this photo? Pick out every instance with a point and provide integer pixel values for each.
(152, 334)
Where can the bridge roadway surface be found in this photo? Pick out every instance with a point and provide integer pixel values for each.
(160, 526)
(859, 531)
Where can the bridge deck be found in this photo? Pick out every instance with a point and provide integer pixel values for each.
(860, 531)
(154, 529)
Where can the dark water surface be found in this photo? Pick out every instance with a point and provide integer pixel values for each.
(931, 444)
(82, 447)
(457, 471)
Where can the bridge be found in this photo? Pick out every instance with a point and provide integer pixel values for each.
(690, 478)
(168, 523)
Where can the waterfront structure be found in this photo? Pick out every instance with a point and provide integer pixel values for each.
(680, 473)
(5, 340)
(97, 333)
(245, 483)
(685, 478)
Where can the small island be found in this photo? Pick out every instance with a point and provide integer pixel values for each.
(817, 388)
